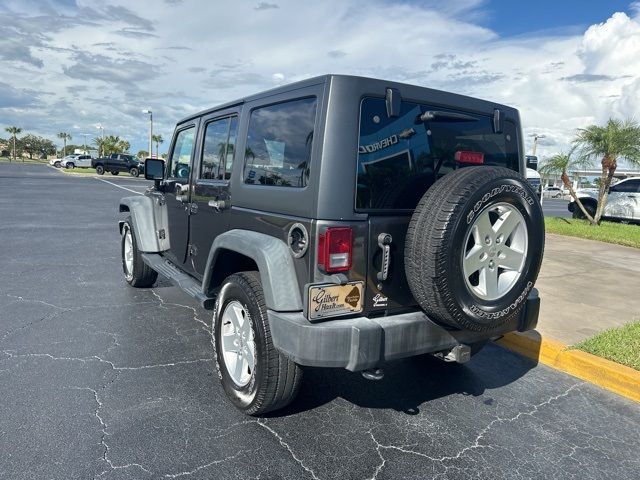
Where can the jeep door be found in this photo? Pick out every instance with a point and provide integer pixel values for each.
(210, 192)
(176, 190)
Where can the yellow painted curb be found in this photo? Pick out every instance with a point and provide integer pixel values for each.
(614, 377)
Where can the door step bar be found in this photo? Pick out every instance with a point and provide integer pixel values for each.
(187, 283)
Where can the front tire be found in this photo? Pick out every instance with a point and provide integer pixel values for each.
(57, 164)
(137, 273)
(134, 172)
(70, 165)
(256, 377)
(100, 170)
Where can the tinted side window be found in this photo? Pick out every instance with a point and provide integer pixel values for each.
(217, 153)
(279, 144)
(399, 158)
(630, 186)
(180, 160)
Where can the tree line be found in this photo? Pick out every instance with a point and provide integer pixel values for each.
(36, 145)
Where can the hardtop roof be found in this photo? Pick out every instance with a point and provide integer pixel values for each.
(327, 78)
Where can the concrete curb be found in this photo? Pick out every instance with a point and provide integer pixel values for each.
(614, 377)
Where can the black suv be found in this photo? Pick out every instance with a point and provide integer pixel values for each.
(341, 222)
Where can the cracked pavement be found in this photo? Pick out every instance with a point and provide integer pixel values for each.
(100, 380)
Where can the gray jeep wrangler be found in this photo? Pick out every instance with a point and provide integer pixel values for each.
(341, 222)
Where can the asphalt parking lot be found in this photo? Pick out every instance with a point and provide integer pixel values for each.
(100, 380)
(556, 207)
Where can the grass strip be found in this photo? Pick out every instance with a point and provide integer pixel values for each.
(79, 171)
(619, 344)
(610, 232)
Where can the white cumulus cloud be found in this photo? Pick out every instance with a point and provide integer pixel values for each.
(108, 59)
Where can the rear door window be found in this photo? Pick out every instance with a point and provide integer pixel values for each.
(279, 142)
(399, 158)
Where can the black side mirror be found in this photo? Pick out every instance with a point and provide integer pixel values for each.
(154, 170)
(532, 162)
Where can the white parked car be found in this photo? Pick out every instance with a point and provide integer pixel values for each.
(57, 162)
(77, 161)
(623, 201)
(553, 192)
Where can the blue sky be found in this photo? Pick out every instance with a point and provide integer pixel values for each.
(67, 65)
(511, 17)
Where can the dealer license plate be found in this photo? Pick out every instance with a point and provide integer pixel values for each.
(332, 300)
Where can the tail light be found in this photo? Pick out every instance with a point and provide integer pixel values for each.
(335, 249)
(468, 157)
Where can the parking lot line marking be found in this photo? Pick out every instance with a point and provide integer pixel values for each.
(119, 186)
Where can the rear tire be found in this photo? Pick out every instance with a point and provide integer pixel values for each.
(137, 273)
(474, 247)
(589, 207)
(100, 170)
(256, 377)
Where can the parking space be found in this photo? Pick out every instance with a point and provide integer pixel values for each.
(102, 380)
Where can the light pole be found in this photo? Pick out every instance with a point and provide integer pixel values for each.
(85, 135)
(535, 142)
(150, 131)
(101, 128)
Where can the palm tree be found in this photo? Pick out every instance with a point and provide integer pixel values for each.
(14, 131)
(64, 137)
(562, 163)
(99, 142)
(615, 140)
(158, 139)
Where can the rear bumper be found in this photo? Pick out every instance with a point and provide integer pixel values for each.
(361, 343)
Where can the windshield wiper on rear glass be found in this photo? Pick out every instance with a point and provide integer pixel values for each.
(438, 115)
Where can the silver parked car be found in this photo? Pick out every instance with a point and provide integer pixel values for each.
(77, 161)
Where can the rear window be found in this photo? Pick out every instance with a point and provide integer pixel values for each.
(279, 144)
(399, 158)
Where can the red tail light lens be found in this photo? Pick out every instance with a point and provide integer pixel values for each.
(468, 157)
(335, 248)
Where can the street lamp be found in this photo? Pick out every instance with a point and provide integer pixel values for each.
(100, 127)
(536, 136)
(150, 130)
(85, 135)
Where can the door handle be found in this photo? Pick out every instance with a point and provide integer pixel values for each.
(384, 242)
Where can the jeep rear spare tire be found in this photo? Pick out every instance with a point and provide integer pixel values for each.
(474, 247)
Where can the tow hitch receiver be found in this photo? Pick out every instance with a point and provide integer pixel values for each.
(373, 374)
(458, 354)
